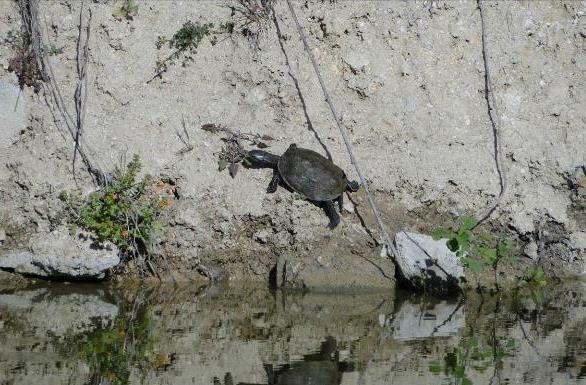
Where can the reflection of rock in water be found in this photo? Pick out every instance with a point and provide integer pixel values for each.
(323, 368)
(419, 320)
(44, 311)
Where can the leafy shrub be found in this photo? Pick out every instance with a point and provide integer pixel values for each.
(124, 213)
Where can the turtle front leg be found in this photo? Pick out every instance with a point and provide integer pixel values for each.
(340, 200)
(332, 214)
(274, 182)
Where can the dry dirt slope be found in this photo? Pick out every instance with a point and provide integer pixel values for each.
(407, 77)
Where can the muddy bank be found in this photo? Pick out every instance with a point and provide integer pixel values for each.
(407, 78)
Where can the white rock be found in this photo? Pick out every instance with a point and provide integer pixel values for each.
(578, 240)
(425, 261)
(59, 255)
(531, 249)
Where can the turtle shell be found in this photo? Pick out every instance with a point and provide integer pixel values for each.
(311, 174)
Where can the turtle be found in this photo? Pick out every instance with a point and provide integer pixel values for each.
(308, 173)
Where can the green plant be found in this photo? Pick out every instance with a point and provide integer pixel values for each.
(532, 284)
(184, 44)
(128, 11)
(54, 51)
(535, 278)
(124, 213)
(189, 36)
(476, 250)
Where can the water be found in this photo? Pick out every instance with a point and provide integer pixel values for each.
(100, 334)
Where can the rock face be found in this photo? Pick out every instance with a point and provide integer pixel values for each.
(59, 255)
(406, 77)
(426, 263)
(13, 112)
(339, 272)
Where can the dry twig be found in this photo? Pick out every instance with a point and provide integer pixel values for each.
(494, 121)
(54, 98)
(82, 60)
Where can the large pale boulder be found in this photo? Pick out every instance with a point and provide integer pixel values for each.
(59, 255)
(428, 264)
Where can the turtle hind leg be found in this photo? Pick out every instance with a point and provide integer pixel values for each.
(274, 182)
(352, 185)
(332, 214)
(340, 201)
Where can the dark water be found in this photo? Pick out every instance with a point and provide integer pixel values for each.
(80, 334)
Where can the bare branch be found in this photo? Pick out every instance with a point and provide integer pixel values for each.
(82, 60)
(494, 121)
(54, 97)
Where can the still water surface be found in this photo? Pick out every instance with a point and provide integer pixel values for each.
(100, 334)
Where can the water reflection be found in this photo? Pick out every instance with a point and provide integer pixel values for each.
(80, 334)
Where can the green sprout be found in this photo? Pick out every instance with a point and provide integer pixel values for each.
(127, 11)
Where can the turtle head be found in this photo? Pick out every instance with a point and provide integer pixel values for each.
(260, 159)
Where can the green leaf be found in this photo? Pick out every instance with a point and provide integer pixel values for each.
(119, 14)
(489, 255)
(472, 264)
(466, 381)
(503, 247)
(468, 223)
(222, 164)
(133, 10)
(485, 237)
(435, 367)
(459, 372)
(463, 238)
(453, 245)
(441, 233)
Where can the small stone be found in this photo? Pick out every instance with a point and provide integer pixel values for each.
(262, 236)
(578, 240)
(348, 206)
(530, 250)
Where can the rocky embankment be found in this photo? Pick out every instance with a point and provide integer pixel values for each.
(406, 77)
